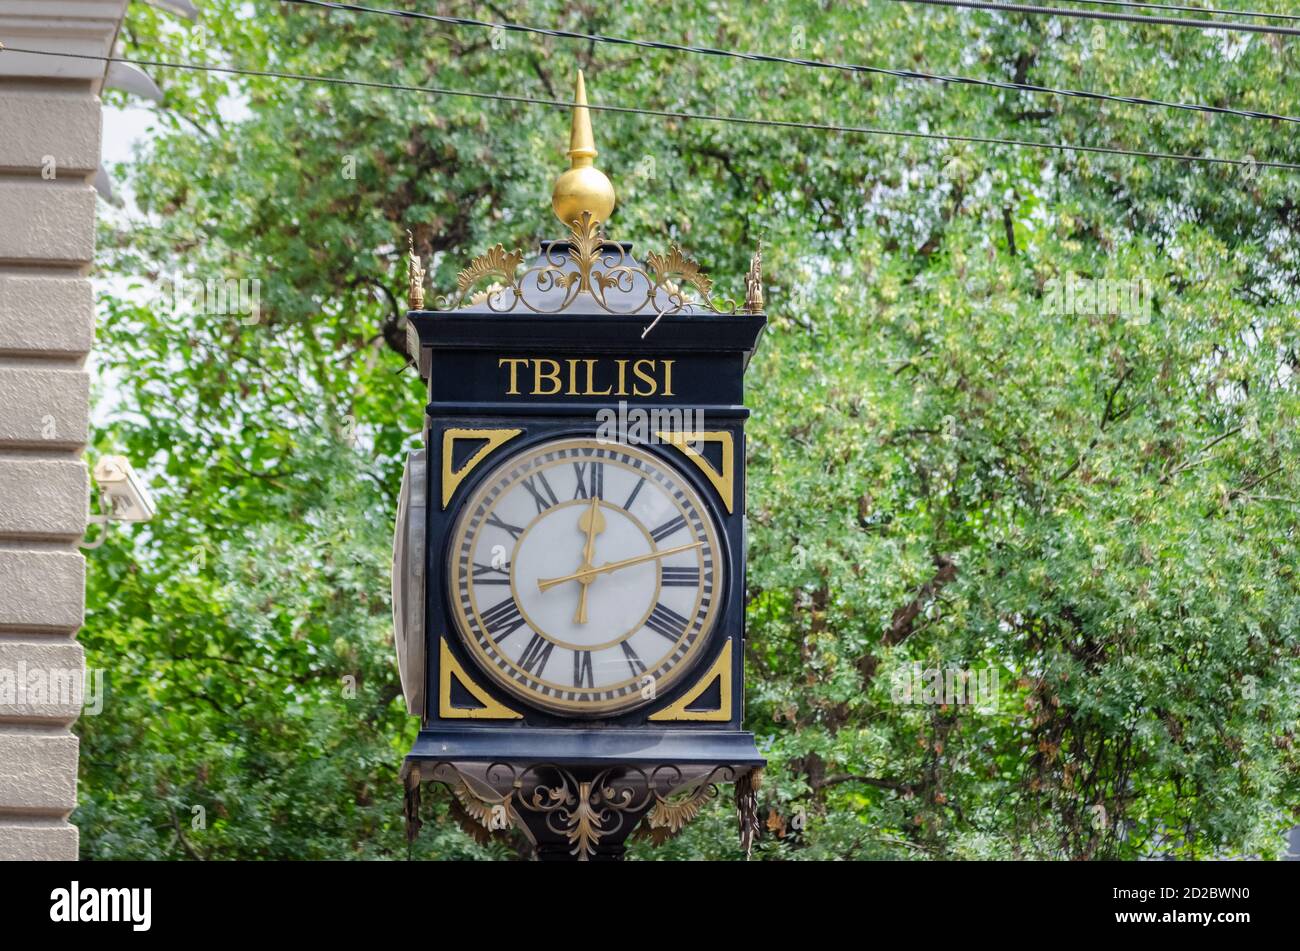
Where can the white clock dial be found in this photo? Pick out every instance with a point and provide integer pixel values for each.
(585, 577)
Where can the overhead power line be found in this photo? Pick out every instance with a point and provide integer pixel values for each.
(1202, 10)
(795, 61)
(1248, 162)
(1120, 17)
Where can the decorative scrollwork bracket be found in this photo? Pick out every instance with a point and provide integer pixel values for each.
(574, 813)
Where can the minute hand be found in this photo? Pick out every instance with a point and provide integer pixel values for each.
(545, 583)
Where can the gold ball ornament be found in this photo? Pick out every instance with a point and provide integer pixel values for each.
(580, 189)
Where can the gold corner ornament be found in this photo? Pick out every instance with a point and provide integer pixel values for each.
(491, 438)
(680, 710)
(414, 275)
(490, 709)
(722, 479)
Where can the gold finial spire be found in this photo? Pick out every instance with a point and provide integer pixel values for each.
(414, 275)
(583, 187)
(582, 144)
(754, 282)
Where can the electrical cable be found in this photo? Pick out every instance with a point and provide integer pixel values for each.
(1205, 10)
(1117, 17)
(796, 61)
(1248, 162)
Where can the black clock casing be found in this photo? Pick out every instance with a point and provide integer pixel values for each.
(503, 382)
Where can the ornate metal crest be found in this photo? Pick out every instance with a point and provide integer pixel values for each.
(588, 264)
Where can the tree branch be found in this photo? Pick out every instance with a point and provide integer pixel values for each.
(893, 785)
(1200, 456)
(180, 836)
(392, 332)
(903, 623)
(904, 620)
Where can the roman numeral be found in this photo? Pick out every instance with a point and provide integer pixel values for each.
(503, 619)
(582, 675)
(667, 528)
(544, 497)
(514, 530)
(679, 577)
(632, 498)
(667, 622)
(536, 654)
(487, 574)
(591, 480)
(633, 661)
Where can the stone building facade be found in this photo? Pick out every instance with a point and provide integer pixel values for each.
(49, 156)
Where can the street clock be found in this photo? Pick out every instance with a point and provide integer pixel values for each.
(569, 560)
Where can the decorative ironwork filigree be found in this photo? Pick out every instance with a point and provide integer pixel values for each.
(588, 812)
(592, 266)
(585, 812)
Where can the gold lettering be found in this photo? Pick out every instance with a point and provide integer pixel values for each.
(553, 376)
(514, 370)
(591, 366)
(640, 375)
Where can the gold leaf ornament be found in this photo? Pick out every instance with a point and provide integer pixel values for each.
(669, 816)
(494, 262)
(587, 825)
(675, 264)
(587, 243)
(492, 813)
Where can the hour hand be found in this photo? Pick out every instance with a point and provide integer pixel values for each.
(592, 522)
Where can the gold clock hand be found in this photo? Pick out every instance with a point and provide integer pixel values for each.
(591, 573)
(592, 522)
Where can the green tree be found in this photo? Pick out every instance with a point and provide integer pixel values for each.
(953, 463)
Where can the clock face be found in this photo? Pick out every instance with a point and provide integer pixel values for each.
(585, 577)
